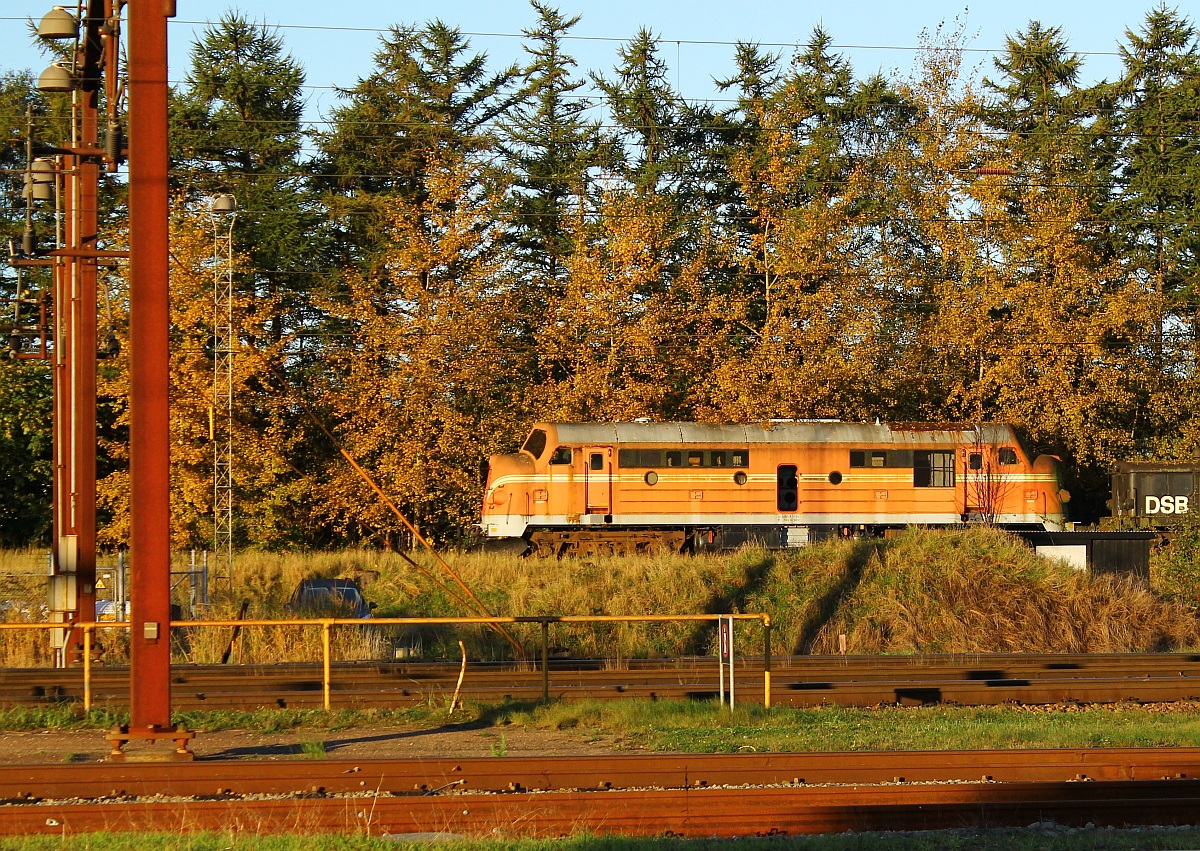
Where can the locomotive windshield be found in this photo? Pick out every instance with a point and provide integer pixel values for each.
(535, 444)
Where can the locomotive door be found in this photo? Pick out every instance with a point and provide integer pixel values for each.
(598, 479)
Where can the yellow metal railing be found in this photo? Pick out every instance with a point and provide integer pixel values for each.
(326, 625)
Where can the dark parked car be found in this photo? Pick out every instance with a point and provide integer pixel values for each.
(329, 598)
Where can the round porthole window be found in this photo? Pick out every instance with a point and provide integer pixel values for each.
(739, 477)
(652, 478)
(835, 478)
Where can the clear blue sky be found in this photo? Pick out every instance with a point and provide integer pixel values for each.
(696, 34)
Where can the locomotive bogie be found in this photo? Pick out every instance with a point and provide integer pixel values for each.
(635, 486)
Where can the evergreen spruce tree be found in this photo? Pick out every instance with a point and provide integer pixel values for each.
(429, 95)
(25, 389)
(657, 139)
(1159, 167)
(236, 128)
(550, 146)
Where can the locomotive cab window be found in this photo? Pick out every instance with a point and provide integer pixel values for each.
(975, 461)
(718, 459)
(933, 469)
(674, 459)
(695, 459)
(1008, 456)
(562, 455)
(739, 458)
(535, 444)
(597, 461)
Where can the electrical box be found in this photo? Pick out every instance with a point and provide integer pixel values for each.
(62, 596)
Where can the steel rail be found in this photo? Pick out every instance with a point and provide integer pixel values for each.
(691, 812)
(798, 681)
(234, 777)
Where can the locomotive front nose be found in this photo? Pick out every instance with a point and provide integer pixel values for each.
(505, 495)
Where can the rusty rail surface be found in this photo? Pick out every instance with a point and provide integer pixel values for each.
(685, 795)
(797, 681)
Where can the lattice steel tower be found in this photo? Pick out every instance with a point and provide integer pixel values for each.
(223, 211)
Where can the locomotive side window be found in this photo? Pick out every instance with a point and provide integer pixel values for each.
(652, 458)
(535, 444)
(639, 458)
(597, 461)
(1008, 456)
(975, 461)
(881, 458)
(933, 469)
(562, 455)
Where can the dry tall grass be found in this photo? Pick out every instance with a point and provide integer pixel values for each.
(23, 600)
(981, 590)
(969, 591)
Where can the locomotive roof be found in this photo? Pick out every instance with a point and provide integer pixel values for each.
(915, 434)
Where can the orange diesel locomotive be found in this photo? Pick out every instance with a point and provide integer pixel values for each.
(635, 487)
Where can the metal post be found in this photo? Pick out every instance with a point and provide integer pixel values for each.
(325, 627)
(545, 661)
(86, 179)
(766, 661)
(87, 668)
(204, 579)
(731, 660)
(122, 597)
(721, 660)
(149, 427)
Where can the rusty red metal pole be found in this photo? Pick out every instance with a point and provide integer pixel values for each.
(85, 358)
(150, 518)
(63, 374)
(84, 194)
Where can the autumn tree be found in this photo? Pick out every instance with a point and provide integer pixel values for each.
(426, 384)
(809, 184)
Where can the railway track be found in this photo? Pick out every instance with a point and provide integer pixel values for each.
(796, 681)
(684, 795)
